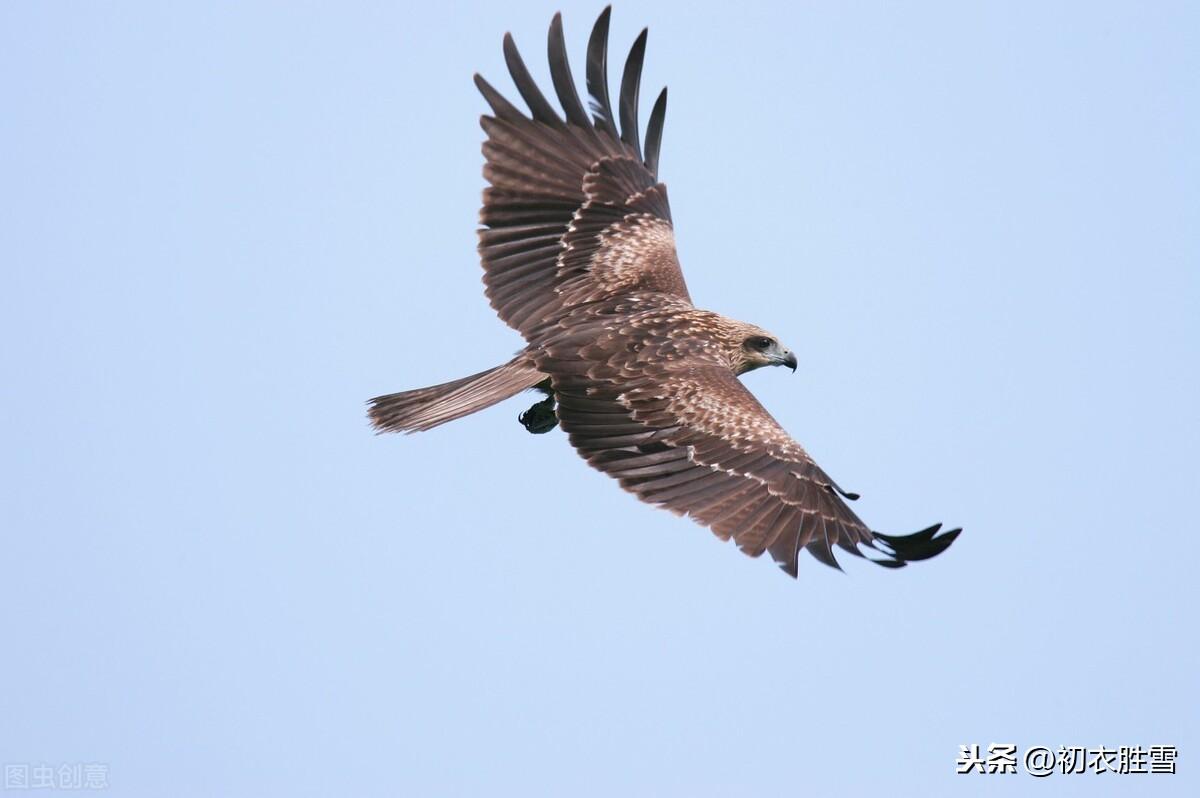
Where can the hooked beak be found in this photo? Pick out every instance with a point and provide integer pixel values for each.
(781, 356)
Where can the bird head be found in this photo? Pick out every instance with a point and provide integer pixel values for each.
(757, 348)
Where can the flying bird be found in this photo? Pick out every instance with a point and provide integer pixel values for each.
(578, 253)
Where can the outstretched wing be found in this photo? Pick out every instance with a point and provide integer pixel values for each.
(695, 441)
(574, 212)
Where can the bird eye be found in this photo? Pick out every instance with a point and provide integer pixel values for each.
(760, 342)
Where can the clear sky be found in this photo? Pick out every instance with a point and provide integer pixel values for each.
(225, 226)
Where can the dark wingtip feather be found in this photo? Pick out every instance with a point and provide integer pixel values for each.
(937, 545)
(630, 84)
(560, 74)
(920, 545)
(501, 107)
(597, 73)
(923, 535)
(833, 487)
(654, 132)
(821, 550)
(538, 106)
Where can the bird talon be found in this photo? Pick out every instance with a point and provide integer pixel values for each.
(540, 418)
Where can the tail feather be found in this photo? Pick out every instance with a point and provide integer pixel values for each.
(425, 408)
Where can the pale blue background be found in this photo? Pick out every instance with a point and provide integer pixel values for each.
(223, 227)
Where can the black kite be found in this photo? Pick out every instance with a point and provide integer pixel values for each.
(578, 253)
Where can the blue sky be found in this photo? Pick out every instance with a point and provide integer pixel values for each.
(225, 226)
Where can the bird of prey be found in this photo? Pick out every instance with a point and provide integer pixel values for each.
(578, 253)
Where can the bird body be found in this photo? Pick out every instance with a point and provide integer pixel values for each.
(578, 250)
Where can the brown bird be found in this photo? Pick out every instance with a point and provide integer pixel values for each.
(578, 254)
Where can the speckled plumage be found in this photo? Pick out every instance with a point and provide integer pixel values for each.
(578, 252)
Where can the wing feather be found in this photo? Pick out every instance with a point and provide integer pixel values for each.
(560, 74)
(539, 106)
(573, 213)
(690, 438)
(597, 75)
(631, 79)
(654, 131)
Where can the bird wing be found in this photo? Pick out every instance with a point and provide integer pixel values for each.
(574, 211)
(692, 439)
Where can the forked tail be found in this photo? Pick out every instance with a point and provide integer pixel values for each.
(425, 408)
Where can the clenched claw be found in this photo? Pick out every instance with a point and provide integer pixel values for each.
(540, 418)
